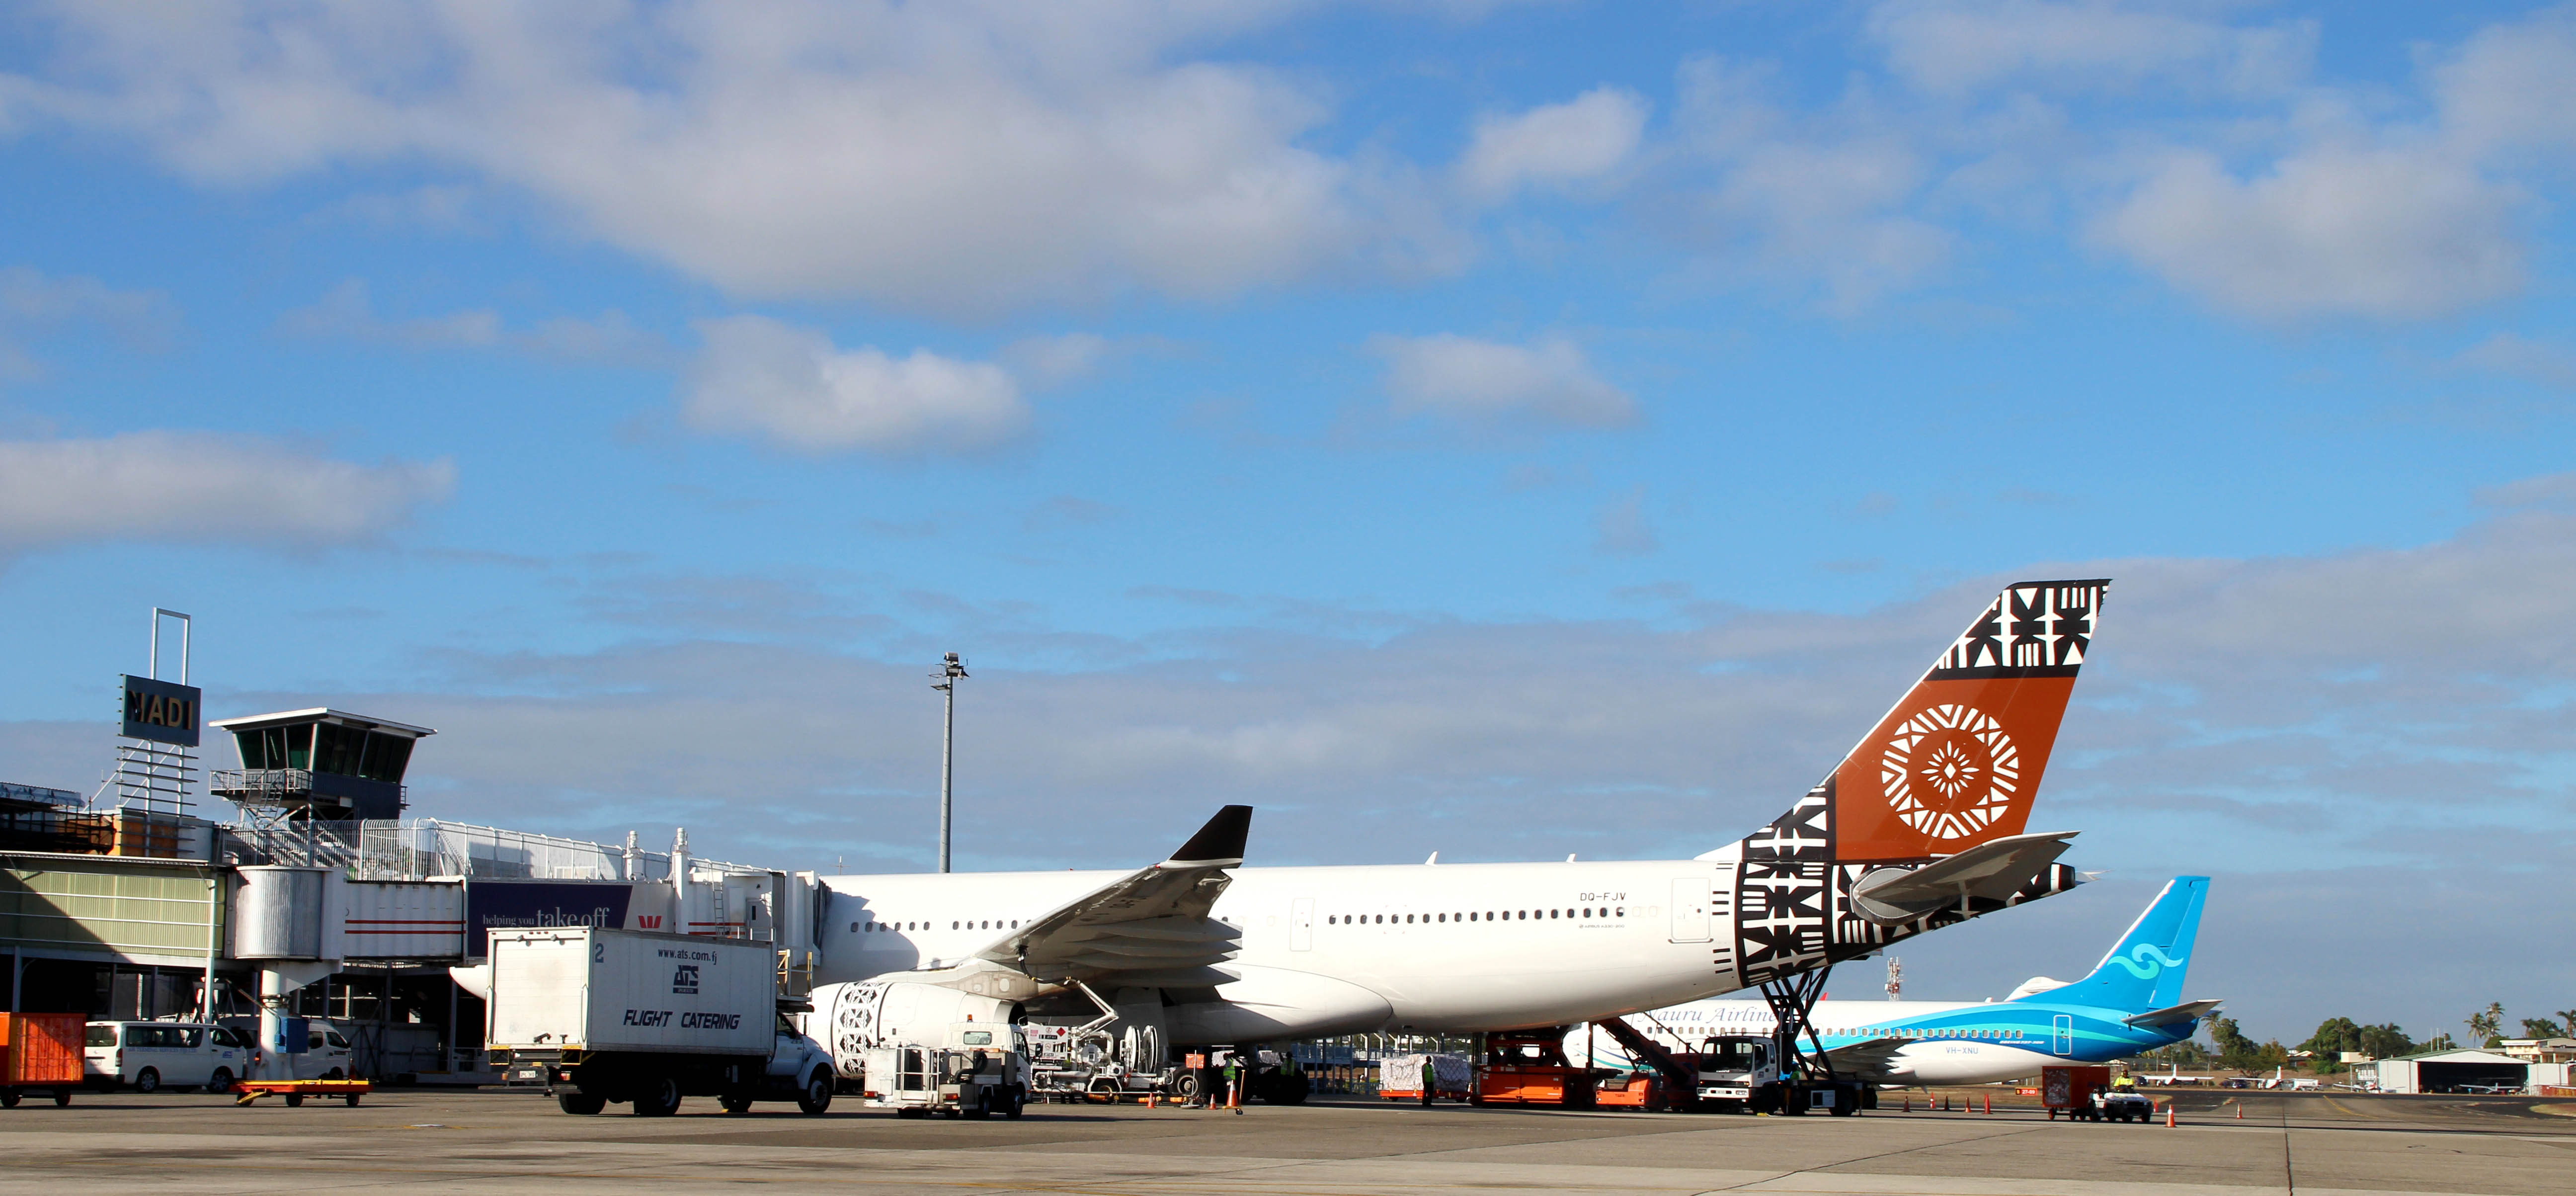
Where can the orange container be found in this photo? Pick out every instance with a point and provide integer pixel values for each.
(41, 1049)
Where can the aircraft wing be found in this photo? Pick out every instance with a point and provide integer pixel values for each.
(1148, 929)
(1868, 1062)
(2188, 1011)
(1994, 869)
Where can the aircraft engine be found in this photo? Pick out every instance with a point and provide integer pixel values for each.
(861, 1014)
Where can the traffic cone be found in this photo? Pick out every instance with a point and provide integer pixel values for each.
(2240, 1110)
(1990, 1104)
(1909, 1102)
(2169, 1115)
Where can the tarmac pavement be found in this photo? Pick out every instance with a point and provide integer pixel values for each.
(507, 1144)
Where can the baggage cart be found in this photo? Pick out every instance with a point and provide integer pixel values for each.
(2069, 1090)
(294, 1091)
(41, 1055)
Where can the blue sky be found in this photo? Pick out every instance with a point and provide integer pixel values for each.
(1505, 429)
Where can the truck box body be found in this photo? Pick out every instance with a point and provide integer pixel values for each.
(600, 990)
(42, 1048)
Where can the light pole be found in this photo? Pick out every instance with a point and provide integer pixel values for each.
(947, 674)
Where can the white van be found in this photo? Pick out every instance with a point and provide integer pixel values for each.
(326, 1052)
(326, 1047)
(156, 1055)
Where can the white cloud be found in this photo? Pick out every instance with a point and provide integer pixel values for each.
(1048, 361)
(191, 487)
(1582, 139)
(2332, 230)
(793, 387)
(955, 157)
(1958, 45)
(1472, 379)
(2538, 362)
(1621, 530)
(1818, 200)
(33, 302)
(348, 312)
(2512, 85)
(608, 339)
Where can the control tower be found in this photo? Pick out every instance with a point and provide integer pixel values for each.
(319, 765)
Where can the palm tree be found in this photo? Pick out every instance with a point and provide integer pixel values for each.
(2484, 1024)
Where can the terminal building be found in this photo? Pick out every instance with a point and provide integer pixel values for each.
(317, 897)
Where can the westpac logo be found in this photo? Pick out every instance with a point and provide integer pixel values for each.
(684, 979)
(648, 921)
(2149, 962)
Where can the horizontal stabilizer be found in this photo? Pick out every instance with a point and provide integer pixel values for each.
(2175, 1015)
(1995, 870)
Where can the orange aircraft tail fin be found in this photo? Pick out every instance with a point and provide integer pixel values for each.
(1958, 760)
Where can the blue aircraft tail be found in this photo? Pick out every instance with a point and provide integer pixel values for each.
(2145, 970)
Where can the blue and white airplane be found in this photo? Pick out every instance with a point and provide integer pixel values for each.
(2130, 1003)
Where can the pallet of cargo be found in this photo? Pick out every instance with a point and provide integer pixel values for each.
(247, 1091)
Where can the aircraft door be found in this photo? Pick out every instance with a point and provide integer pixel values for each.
(1690, 910)
(2061, 1038)
(1301, 924)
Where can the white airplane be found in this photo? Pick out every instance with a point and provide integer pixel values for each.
(1920, 826)
(2130, 1003)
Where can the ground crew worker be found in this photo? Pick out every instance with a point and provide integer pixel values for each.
(1430, 1079)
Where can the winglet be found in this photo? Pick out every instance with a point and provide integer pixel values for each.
(1220, 842)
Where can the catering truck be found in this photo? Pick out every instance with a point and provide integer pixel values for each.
(599, 1016)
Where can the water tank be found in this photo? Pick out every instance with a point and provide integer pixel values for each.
(278, 913)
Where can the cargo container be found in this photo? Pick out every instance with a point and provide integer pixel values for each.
(41, 1053)
(1399, 1077)
(600, 1016)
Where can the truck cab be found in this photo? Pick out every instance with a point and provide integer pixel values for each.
(974, 1069)
(1749, 1073)
(1733, 1071)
